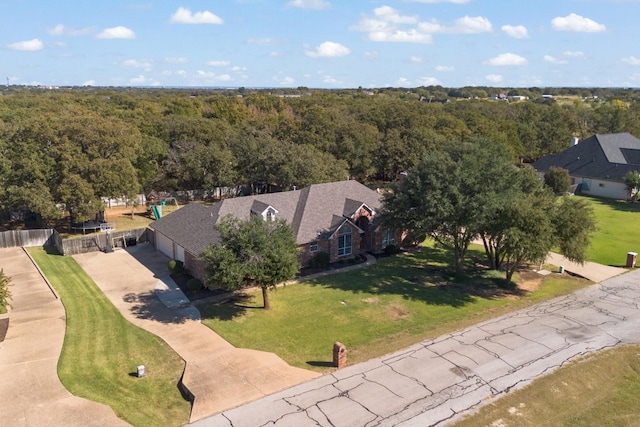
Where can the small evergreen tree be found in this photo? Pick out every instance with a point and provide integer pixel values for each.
(558, 179)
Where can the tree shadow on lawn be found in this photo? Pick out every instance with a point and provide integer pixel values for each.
(424, 275)
(149, 307)
(236, 306)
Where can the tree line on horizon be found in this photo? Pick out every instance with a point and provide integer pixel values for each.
(69, 148)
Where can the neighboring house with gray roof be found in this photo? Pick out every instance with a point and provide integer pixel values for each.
(598, 164)
(339, 218)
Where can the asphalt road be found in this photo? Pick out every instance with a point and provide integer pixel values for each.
(438, 382)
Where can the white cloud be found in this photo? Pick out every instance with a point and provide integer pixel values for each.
(286, 81)
(403, 81)
(58, 30)
(328, 50)
(213, 77)
(464, 25)
(577, 23)
(27, 45)
(573, 54)
(219, 63)
(136, 63)
(119, 32)
(410, 36)
(445, 68)
(176, 60)
(89, 83)
(389, 14)
(309, 4)
(264, 42)
(143, 81)
(61, 29)
(429, 81)
(553, 60)
(507, 59)
(631, 60)
(415, 58)
(185, 16)
(371, 54)
(517, 31)
(494, 78)
(387, 26)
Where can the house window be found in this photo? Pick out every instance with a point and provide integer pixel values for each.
(388, 237)
(269, 215)
(314, 247)
(344, 241)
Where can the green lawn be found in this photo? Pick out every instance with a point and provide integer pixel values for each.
(618, 231)
(391, 305)
(102, 350)
(599, 390)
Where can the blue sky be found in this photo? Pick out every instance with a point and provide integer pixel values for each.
(321, 43)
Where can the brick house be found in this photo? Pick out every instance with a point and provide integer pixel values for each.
(339, 218)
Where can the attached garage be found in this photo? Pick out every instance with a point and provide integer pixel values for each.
(165, 245)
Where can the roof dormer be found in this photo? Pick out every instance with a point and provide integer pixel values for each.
(264, 210)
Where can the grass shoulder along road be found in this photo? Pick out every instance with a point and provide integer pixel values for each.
(102, 350)
(393, 304)
(601, 389)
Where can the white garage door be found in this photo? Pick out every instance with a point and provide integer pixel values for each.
(164, 245)
(180, 253)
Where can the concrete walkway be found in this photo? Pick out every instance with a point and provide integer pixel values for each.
(589, 270)
(218, 375)
(437, 382)
(30, 392)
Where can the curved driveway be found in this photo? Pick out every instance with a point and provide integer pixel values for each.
(30, 392)
(218, 375)
(437, 382)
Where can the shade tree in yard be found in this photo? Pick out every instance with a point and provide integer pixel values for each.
(451, 194)
(251, 253)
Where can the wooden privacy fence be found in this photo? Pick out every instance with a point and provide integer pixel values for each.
(19, 238)
(88, 243)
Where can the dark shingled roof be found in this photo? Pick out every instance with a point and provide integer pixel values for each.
(312, 211)
(607, 157)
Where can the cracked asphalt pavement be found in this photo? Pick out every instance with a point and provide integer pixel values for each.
(437, 382)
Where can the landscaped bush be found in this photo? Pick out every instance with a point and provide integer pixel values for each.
(194, 284)
(391, 249)
(322, 260)
(176, 267)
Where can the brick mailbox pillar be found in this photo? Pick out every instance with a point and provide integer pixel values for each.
(339, 355)
(631, 259)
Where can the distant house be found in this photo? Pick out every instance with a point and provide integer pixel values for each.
(598, 164)
(339, 218)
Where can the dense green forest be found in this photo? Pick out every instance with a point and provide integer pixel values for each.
(66, 148)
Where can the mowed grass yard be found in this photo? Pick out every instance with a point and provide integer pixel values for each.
(618, 231)
(102, 350)
(395, 303)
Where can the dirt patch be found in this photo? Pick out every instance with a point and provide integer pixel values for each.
(529, 281)
(398, 312)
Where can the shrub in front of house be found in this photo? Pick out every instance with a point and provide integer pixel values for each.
(194, 285)
(391, 249)
(176, 267)
(322, 259)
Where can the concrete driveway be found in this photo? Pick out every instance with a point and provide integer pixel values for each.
(438, 382)
(218, 375)
(30, 392)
